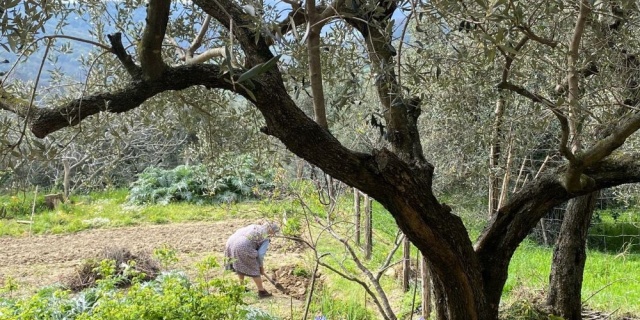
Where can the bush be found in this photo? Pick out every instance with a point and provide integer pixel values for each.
(239, 180)
(120, 266)
(195, 184)
(183, 183)
(17, 206)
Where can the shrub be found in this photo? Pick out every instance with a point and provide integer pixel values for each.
(239, 180)
(12, 206)
(234, 182)
(183, 183)
(118, 265)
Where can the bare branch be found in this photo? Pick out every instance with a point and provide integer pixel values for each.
(118, 49)
(573, 180)
(387, 311)
(564, 123)
(150, 49)
(209, 54)
(387, 261)
(529, 33)
(526, 93)
(606, 146)
(197, 42)
(228, 13)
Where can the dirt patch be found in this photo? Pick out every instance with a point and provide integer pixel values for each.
(39, 261)
(294, 280)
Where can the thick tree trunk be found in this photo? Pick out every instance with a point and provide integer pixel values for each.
(569, 257)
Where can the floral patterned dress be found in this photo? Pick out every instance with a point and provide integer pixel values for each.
(241, 250)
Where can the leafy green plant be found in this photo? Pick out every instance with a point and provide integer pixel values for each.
(20, 206)
(9, 286)
(166, 255)
(239, 180)
(301, 271)
(232, 183)
(292, 227)
(169, 296)
(183, 183)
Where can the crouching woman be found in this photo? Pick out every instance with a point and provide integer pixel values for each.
(245, 250)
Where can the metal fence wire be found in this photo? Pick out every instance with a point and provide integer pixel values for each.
(615, 224)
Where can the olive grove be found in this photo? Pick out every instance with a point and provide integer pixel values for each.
(510, 74)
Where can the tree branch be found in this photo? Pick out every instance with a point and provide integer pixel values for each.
(526, 93)
(118, 49)
(197, 41)
(227, 12)
(529, 33)
(209, 54)
(150, 48)
(613, 141)
(562, 118)
(573, 179)
(48, 120)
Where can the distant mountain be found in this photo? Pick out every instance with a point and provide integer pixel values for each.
(67, 63)
(79, 26)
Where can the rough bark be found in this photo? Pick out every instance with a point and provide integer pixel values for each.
(569, 257)
(426, 288)
(494, 156)
(315, 64)
(152, 37)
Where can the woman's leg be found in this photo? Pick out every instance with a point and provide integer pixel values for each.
(258, 281)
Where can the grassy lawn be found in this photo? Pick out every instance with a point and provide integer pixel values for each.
(611, 282)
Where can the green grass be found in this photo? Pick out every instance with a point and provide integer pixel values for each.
(612, 281)
(110, 209)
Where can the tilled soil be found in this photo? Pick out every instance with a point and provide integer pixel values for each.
(43, 260)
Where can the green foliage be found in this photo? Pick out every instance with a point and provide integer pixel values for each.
(347, 309)
(238, 180)
(194, 184)
(293, 226)
(301, 271)
(21, 206)
(169, 296)
(166, 255)
(183, 183)
(615, 230)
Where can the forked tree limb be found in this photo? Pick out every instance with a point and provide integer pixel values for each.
(118, 49)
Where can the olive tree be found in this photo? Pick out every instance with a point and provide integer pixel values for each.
(243, 59)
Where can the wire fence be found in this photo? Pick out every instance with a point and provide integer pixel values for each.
(615, 225)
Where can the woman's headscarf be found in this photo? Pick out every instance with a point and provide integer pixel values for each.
(271, 227)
